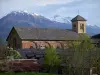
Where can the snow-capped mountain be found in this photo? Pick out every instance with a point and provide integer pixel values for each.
(23, 18)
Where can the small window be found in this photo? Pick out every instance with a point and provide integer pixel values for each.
(81, 26)
(74, 25)
(58, 47)
(42, 47)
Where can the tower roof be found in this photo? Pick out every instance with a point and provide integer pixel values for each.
(78, 18)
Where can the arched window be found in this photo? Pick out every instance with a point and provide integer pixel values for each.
(82, 27)
(35, 45)
(47, 44)
(60, 45)
(74, 27)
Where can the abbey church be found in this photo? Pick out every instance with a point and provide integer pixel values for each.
(40, 38)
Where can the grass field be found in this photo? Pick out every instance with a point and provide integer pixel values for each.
(26, 73)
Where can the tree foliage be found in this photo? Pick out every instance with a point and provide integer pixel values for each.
(81, 49)
(5, 54)
(13, 53)
(3, 50)
(51, 59)
(97, 66)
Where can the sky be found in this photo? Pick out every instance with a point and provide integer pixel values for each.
(89, 9)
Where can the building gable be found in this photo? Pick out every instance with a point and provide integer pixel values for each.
(12, 32)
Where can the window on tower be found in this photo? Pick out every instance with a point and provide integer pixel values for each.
(82, 26)
(74, 26)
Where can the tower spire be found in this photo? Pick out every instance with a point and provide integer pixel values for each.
(79, 24)
(78, 12)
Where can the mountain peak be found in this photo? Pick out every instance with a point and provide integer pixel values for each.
(19, 12)
(35, 14)
(24, 12)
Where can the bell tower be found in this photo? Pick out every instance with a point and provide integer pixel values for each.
(79, 24)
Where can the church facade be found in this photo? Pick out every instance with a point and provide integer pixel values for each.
(40, 38)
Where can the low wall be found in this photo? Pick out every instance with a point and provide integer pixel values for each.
(24, 65)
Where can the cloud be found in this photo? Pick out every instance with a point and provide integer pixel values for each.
(6, 6)
(35, 2)
(88, 9)
(26, 4)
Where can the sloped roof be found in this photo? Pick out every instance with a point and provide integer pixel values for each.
(78, 18)
(31, 33)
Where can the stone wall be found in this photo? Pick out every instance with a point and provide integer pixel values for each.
(43, 44)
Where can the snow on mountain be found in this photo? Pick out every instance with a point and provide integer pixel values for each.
(23, 18)
(94, 26)
(24, 13)
(20, 12)
(35, 14)
(61, 19)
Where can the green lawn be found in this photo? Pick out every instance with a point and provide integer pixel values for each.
(27, 73)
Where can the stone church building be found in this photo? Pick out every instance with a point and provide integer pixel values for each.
(40, 38)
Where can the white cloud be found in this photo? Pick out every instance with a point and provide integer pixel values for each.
(46, 2)
(35, 2)
(6, 6)
(26, 4)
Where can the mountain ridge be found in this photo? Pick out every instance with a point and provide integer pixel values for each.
(21, 18)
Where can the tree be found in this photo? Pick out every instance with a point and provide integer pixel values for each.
(10, 56)
(80, 51)
(14, 54)
(5, 54)
(51, 59)
(97, 66)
